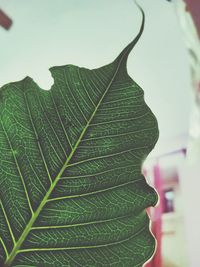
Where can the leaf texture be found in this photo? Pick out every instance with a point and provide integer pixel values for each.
(71, 188)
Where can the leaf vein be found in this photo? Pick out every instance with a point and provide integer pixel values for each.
(8, 223)
(18, 168)
(93, 192)
(85, 247)
(37, 139)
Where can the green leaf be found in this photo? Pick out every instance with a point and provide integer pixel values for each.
(71, 188)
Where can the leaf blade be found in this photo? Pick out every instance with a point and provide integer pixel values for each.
(84, 149)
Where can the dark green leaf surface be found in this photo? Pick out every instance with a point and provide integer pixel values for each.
(71, 188)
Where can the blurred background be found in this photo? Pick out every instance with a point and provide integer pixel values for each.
(35, 35)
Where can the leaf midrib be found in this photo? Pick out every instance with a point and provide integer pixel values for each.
(26, 231)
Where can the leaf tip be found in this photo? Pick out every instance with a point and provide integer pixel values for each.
(123, 56)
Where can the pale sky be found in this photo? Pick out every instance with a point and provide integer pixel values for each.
(92, 33)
